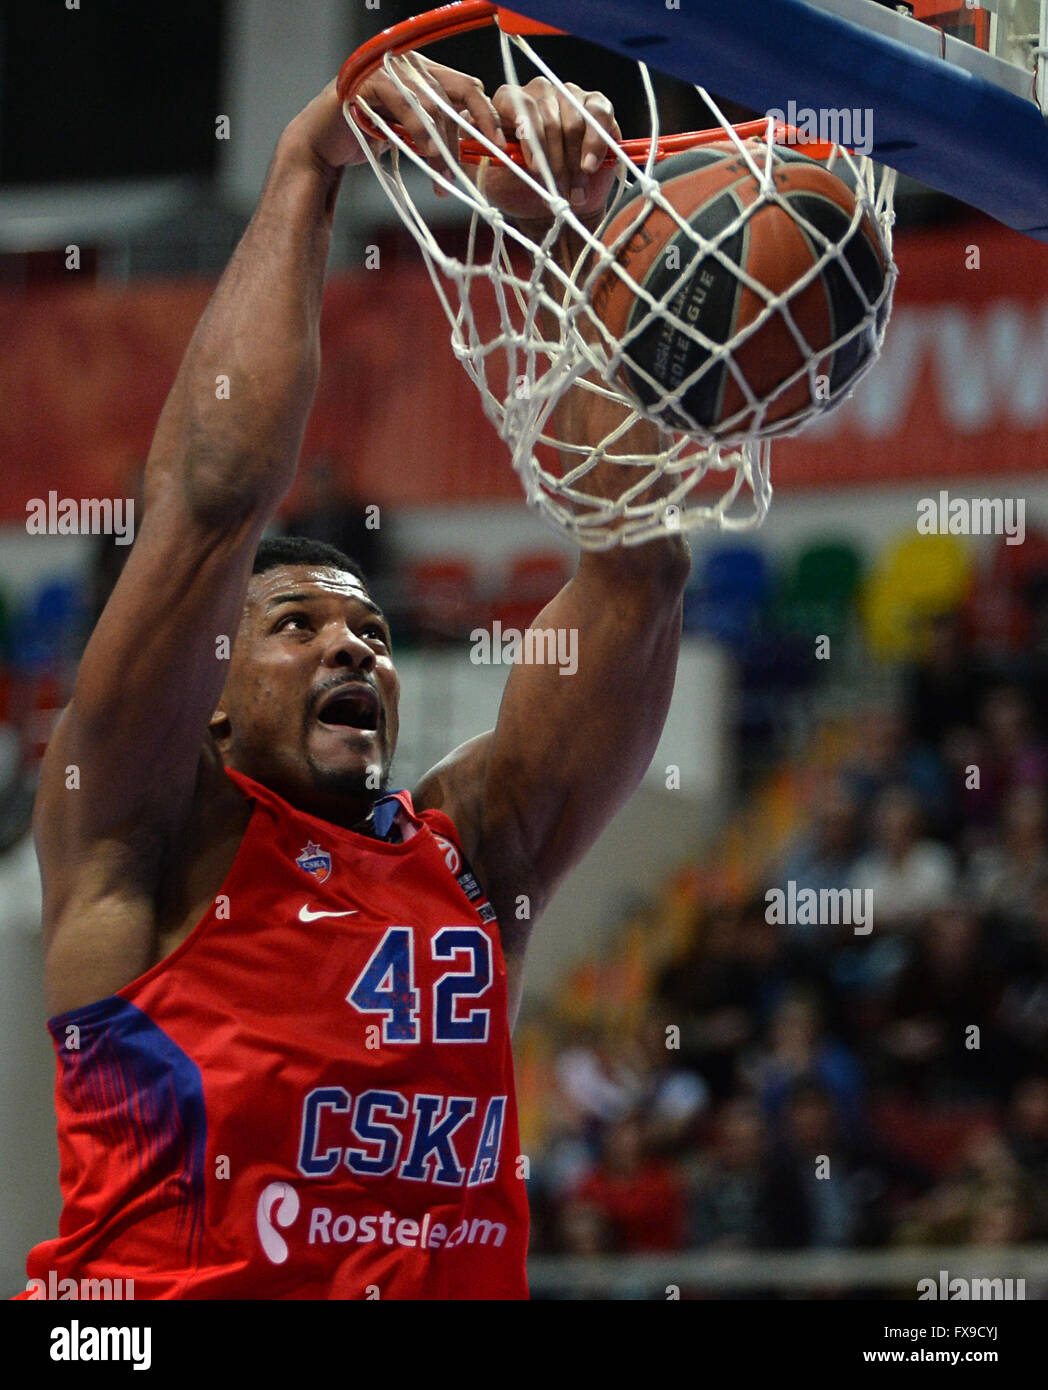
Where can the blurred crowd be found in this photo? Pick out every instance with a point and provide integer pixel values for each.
(812, 1086)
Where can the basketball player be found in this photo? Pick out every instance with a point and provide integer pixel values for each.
(281, 993)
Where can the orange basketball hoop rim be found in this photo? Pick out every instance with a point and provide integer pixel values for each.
(521, 326)
(451, 20)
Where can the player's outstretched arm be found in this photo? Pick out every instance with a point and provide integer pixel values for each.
(131, 753)
(573, 739)
(222, 457)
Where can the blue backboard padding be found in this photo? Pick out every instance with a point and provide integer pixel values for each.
(945, 127)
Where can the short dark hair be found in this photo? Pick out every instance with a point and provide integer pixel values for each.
(300, 550)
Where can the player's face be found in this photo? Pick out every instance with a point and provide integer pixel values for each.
(310, 707)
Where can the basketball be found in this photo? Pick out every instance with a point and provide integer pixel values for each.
(712, 187)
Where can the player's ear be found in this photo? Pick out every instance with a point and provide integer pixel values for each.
(220, 727)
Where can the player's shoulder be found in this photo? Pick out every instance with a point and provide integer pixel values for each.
(454, 788)
(123, 901)
(458, 787)
(444, 830)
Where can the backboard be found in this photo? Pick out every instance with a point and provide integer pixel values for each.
(962, 119)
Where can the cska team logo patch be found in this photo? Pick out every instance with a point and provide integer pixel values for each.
(452, 858)
(315, 861)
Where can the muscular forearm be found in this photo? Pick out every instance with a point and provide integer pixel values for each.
(230, 433)
(232, 427)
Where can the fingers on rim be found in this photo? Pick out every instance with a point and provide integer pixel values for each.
(421, 81)
(553, 137)
(482, 109)
(594, 147)
(404, 113)
(540, 116)
(471, 95)
(528, 124)
(573, 127)
(422, 139)
(432, 85)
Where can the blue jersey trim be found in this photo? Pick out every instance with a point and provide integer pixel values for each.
(143, 1097)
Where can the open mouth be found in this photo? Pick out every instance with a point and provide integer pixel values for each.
(350, 707)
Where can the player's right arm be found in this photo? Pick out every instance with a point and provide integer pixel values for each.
(118, 778)
(125, 764)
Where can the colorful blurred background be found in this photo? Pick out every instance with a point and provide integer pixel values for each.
(682, 1060)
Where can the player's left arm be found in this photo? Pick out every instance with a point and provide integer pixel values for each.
(570, 747)
(572, 742)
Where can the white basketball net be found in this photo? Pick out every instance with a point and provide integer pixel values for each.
(540, 336)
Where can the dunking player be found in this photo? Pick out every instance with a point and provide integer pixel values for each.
(281, 994)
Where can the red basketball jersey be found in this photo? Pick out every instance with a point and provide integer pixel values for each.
(313, 1096)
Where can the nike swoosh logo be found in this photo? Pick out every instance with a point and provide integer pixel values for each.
(304, 914)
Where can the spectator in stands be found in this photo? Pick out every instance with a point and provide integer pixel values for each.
(1012, 752)
(986, 1161)
(943, 689)
(1004, 877)
(640, 1196)
(583, 1229)
(592, 1079)
(682, 985)
(798, 1051)
(569, 1151)
(980, 1201)
(858, 980)
(824, 854)
(906, 874)
(1001, 1216)
(971, 819)
(1023, 1012)
(761, 948)
(812, 1200)
(590, 1090)
(725, 989)
(888, 758)
(729, 1202)
(949, 987)
(671, 1097)
(829, 1188)
(941, 1217)
(1027, 1138)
